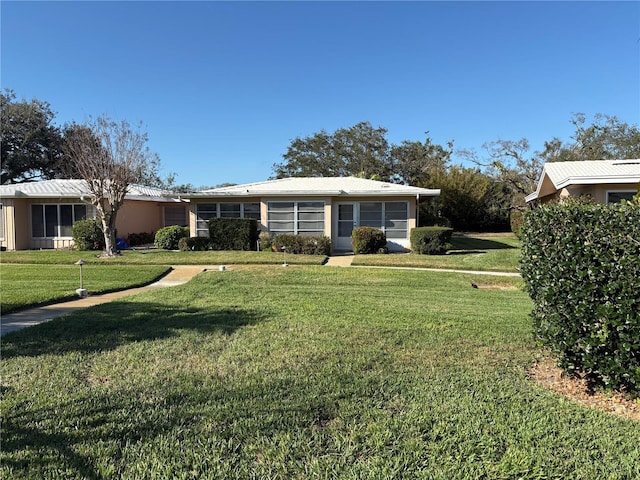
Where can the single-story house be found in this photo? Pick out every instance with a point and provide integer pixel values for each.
(606, 181)
(40, 214)
(330, 206)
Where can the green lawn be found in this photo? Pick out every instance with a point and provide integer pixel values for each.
(481, 253)
(27, 285)
(157, 257)
(305, 372)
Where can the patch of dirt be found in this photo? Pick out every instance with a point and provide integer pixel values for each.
(494, 286)
(548, 374)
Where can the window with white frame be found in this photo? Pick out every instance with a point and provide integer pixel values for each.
(390, 217)
(50, 220)
(296, 218)
(207, 211)
(617, 196)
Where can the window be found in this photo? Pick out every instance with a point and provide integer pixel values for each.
(396, 219)
(615, 197)
(55, 220)
(390, 217)
(175, 216)
(296, 218)
(207, 211)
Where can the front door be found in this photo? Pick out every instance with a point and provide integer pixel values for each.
(346, 221)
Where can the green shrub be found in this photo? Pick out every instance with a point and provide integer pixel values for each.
(168, 237)
(233, 233)
(142, 238)
(367, 240)
(265, 241)
(581, 267)
(87, 235)
(302, 244)
(194, 244)
(430, 240)
(515, 220)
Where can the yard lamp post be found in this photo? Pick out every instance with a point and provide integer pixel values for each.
(284, 256)
(82, 292)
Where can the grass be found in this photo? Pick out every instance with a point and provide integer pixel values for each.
(158, 257)
(480, 253)
(29, 285)
(305, 372)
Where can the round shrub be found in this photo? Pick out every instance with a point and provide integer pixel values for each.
(87, 235)
(431, 240)
(265, 241)
(168, 237)
(367, 240)
(194, 244)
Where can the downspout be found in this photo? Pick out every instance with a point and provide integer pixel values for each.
(417, 210)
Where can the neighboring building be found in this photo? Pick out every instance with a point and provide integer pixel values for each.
(40, 214)
(606, 181)
(331, 206)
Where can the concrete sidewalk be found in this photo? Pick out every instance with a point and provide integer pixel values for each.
(27, 318)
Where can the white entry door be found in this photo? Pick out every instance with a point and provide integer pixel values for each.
(346, 221)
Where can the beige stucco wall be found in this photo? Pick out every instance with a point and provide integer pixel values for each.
(135, 216)
(597, 192)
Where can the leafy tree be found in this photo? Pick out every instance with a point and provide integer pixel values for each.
(607, 138)
(414, 163)
(358, 150)
(110, 156)
(469, 199)
(30, 144)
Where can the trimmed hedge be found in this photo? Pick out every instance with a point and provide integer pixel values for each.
(233, 233)
(302, 244)
(195, 244)
(87, 235)
(142, 238)
(430, 240)
(168, 237)
(581, 266)
(367, 240)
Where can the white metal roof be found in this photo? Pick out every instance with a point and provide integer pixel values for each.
(588, 172)
(314, 186)
(77, 188)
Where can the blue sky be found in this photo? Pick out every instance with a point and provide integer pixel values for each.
(223, 87)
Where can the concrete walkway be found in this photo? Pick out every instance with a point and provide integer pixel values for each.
(27, 318)
(340, 260)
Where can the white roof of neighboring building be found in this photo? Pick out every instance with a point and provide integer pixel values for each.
(314, 186)
(588, 172)
(77, 188)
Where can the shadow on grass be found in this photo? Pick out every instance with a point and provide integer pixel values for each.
(478, 245)
(105, 327)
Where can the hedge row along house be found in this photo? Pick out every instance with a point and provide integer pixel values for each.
(40, 214)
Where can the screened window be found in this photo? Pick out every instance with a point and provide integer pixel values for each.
(616, 197)
(55, 220)
(396, 219)
(207, 211)
(390, 217)
(296, 218)
(175, 216)
(371, 214)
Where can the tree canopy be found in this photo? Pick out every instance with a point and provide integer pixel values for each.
(30, 143)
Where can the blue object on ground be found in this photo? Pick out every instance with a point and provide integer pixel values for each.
(121, 244)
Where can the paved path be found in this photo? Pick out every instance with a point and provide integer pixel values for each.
(179, 274)
(26, 318)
